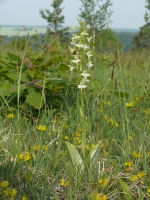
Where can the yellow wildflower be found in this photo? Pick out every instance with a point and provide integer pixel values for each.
(128, 164)
(6, 192)
(66, 127)
(103, 182)
(79, 130)
(148, 153)
(107, 103)
(136, 155)
(53, 121)
(54, 130)
(41, 128)
(36, 147)
(45, 148)
(77, 140)
(10, 116)
(77, 134)
(146, 111)
(4, 184)
(100, 196)
(26, 156)
(64, 183)
(13, 192)
(142, 182)
(133, 178)
(142, 174)
(128, 169)
(131, 138)
(148, 192)
(66, 137)
(87, 147)
(106, 152)
(24, 198)
(29, 177)
(130, 104)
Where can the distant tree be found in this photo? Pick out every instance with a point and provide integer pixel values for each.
(95, 15)
(107, 40)
(142, 39)
(55, 19)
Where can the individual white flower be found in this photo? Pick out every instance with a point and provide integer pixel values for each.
(76, 61)
(72, 27)
(89, 54)
(89, 39)
(84, 33)
(73, 43)
(75, 37)
(84, 74)
(71, 67)
(85, 47)
(88, 26)
(90, 64)
(71, 49)
(82, 86)
(80, 45)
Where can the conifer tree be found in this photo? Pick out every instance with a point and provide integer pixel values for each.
(55, 19)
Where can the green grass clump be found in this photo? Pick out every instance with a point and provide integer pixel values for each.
(58, 141)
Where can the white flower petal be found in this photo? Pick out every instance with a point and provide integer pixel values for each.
(90, 64)
(84, 33)
(76, 61)
(82, 86)
(89, 54)
(84, 74)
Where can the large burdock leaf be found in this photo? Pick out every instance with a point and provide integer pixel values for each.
(34, 99)
(125, 189)
(76, 158)
(94, 154)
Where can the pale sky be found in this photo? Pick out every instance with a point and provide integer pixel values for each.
(126, 13)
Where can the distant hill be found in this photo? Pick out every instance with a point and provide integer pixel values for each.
(124, 34)
(127, 30)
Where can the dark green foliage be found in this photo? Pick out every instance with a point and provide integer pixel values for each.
(55, 19)
(142, 40)
(126, 39)
(106, 40)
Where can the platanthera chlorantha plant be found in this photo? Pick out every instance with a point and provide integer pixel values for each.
(81, 63)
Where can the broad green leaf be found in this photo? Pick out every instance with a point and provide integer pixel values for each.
(63, 68)
(51, 61)
(34, 99)
(125, 189)
(32, 73)
(64, 74)
(15, 76)
(7, 64)
(76, 158)
(14, 57)
(7, 89)
(12, 75)
(94, 153)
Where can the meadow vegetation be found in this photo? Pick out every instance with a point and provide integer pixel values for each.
(74, 121)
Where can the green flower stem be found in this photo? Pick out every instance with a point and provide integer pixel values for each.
(83, 120)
